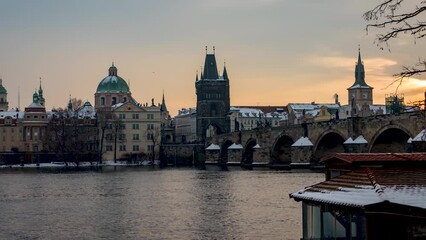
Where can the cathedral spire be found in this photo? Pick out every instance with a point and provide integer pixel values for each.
(163, 104)
(360, 73)
(196, 76)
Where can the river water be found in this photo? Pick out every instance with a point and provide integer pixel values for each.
(142, 203)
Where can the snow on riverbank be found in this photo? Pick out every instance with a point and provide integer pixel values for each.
(82, 164)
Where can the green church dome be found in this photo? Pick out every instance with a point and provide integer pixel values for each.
(113, 83)
(2, 89)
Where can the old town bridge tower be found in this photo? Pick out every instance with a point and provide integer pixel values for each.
(213, 100)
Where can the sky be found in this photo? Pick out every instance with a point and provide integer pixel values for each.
(276, 51)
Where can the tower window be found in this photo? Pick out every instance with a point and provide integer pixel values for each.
(102, 101)
(114, 100)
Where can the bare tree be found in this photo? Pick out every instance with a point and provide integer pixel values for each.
(391, 18)
(104, 117)
(76, 103)
(116, 130)
(69, 138)
(154, 135)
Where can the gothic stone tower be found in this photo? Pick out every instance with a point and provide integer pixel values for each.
(213, 100)
(360, 93)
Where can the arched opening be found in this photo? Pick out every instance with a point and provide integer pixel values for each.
(390, 140)
(281, 152)
(330, 143)
(248, 151)
(212, 130)
(223, 158)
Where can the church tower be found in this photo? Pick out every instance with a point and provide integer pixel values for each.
(360, 93)
(41, 99)
(4, 104)
(213, 101)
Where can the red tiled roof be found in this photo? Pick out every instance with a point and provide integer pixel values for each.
(364, 187)
(371, 157)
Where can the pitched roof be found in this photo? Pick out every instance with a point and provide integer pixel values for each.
(359, 75)
(372, 157)
(210, 67)
(365, 187)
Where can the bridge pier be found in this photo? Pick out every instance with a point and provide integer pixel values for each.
(301, 155)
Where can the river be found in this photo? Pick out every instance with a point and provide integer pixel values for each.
(142, 203)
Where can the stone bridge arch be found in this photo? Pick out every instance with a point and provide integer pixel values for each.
(281, 150)
(390, 138)
(249, 151)
(330, 141)
(223, 156)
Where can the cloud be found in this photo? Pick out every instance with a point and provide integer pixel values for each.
(373, 66)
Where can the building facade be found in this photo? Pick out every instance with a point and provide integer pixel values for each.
(134, 130)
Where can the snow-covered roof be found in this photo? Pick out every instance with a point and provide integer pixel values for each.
(349, 141)
(235, 146)
(302, 142)
(35, 105)
(213, 147)
(12, 114)
(360, 140)
(356, 86)
(365, 187)
(307, 106)
(410, 140)
(257, 146)
(375, 108)
(187, 111)
(248, 112)
(421, 137)
(117, 105)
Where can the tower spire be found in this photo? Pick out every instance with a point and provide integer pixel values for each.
(210, 67)
(163, 104)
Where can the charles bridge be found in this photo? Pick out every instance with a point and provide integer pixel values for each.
(307, 143)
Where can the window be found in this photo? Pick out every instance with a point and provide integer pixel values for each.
(135, 147)
(114, 100)
(149, 136)
(108, 136)
(150, 148)
(150, 116)
(122, 147)
(122, 116)
(108, 148)
(135, 115)
(135, 136)
(122, 137)
(150, 126)
(135, 126)
(102, 101)
(311, 221)
(320, 224)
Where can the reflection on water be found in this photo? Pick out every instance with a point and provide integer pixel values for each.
(142, 203)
